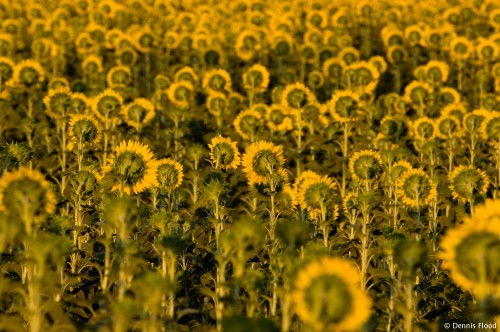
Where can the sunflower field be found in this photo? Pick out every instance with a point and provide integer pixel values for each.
(249, 165)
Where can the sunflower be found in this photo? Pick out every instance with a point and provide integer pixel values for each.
(316, 195)
(216, 80)
(490, 127)
(487, 50)
(288, 197)
(107, 105)
(247, 123)
(277, 120)
(224, 153)
(349, 55)
(328, 296)
(186, 73)
(448, 127)
(126, 56)
(84, 128)
(6, 70)
(170, 174)
(180, 93)
(79, 103)
(416, 188)
(424, 129)
(296, 97)
(397, 170)
(470, 251)
(216, 103)
(248, 43)
(119, 77)
(57, 102)
(397, 54)
(437, 71)
(25, 193)
(345, 106)
(92, 64)
(256, 78)
(365, 165)
(472, 122)
(144, 40)
(417, 93)
(333, 68)
(457, 111)
(261, 161)
(413, 35)
(379, 63)
(461, 48)
(27, 73)
(133, 166)
(139, 113)
(392, 128)
(468, 182)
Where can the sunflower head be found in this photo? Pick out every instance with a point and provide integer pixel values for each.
(490, 127)
(345, 106)
(28, 73)
(398, 169)
(365, 165)
(333, 68)
(457, 111)
(316, 195)
(247, 123)
(256, 78)
(6, 69)
(328, 296)
(472, 122)
(296, 97)
(126, 56)
(186, 74)
(92, 64)
(216, 80)
(393, 128)
(437, 71)
(461, 48)
(180, 93)
(470, 251)
(25, 194)
(84, 128)
(224, 153)
(216, 103)
(468, 183)
(416, 188)
(417, 93)
(133, 166)
(315, 79)
(397, 54)
(424, 129)
(119, 77)
(170, 174)
(57, 102)
(107, 105)
(277, 120)
(448, 127)
(261, 161)
(139, 113)
(79, 103)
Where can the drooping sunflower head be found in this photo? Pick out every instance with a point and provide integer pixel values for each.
(448, 127)
(299, 180)
(349, 202)
(261, 161)
(277, 120)
(170, 174)
(25, 194)
(119, 77)
(397, 54)
(424, 129)
(84, 128)
(416, 188)
(144, 40)
(216, 80)
(365, 165)
(472, 122)
(467, 183)
(328, 296)
(288, 197)
(345, 106)
(28, 73)
(224, 153)
(417, 93)
(461, 48)
(180, 93)
(216, 103)
(107, 105)
(490, 127)
(457, 111)
(379, 62)
(437, 71)
(57, 102)
(349, 55)
(333, 68)
(398, 169)
(126, 56)
(256, 78)
(449, 96)
(393, 128)
(316, 195)
(186, 74)
(92, 64)
(487, 50)
(315, 79)
(133, 166)
(139, 113)
(247, 123)
(79, 103)
(470, 251)
(296, 96)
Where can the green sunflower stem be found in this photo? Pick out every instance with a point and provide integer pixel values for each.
(345, 153)
(220, 293)
(410, 306)
(365, 246)
(285, 312)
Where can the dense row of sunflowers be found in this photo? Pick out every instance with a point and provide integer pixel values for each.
(247, 165)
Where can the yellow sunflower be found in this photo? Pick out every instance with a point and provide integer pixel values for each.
(458, 111)
(170, 174)
(256, 78)
(277, 120)
(424, 129)
(216, 80)
(92, 64)
(84, 128)
(247, 123)
(224, 153)
(180, 93)
(119, 77)
(472, 122)
(345, 106)
(296, 96)
(107, 105)
(27, 73)
(490, 127)
(186, 74)
(468, 182)
(139, 113)
(133, 166)
(365, 165)
(316, 196)
(328, 296)
(416, 188)
(261, 161)
(25, 193)
(79, 103)
(6, 70)
(470, 251)
(216, 103)
(57, 102)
